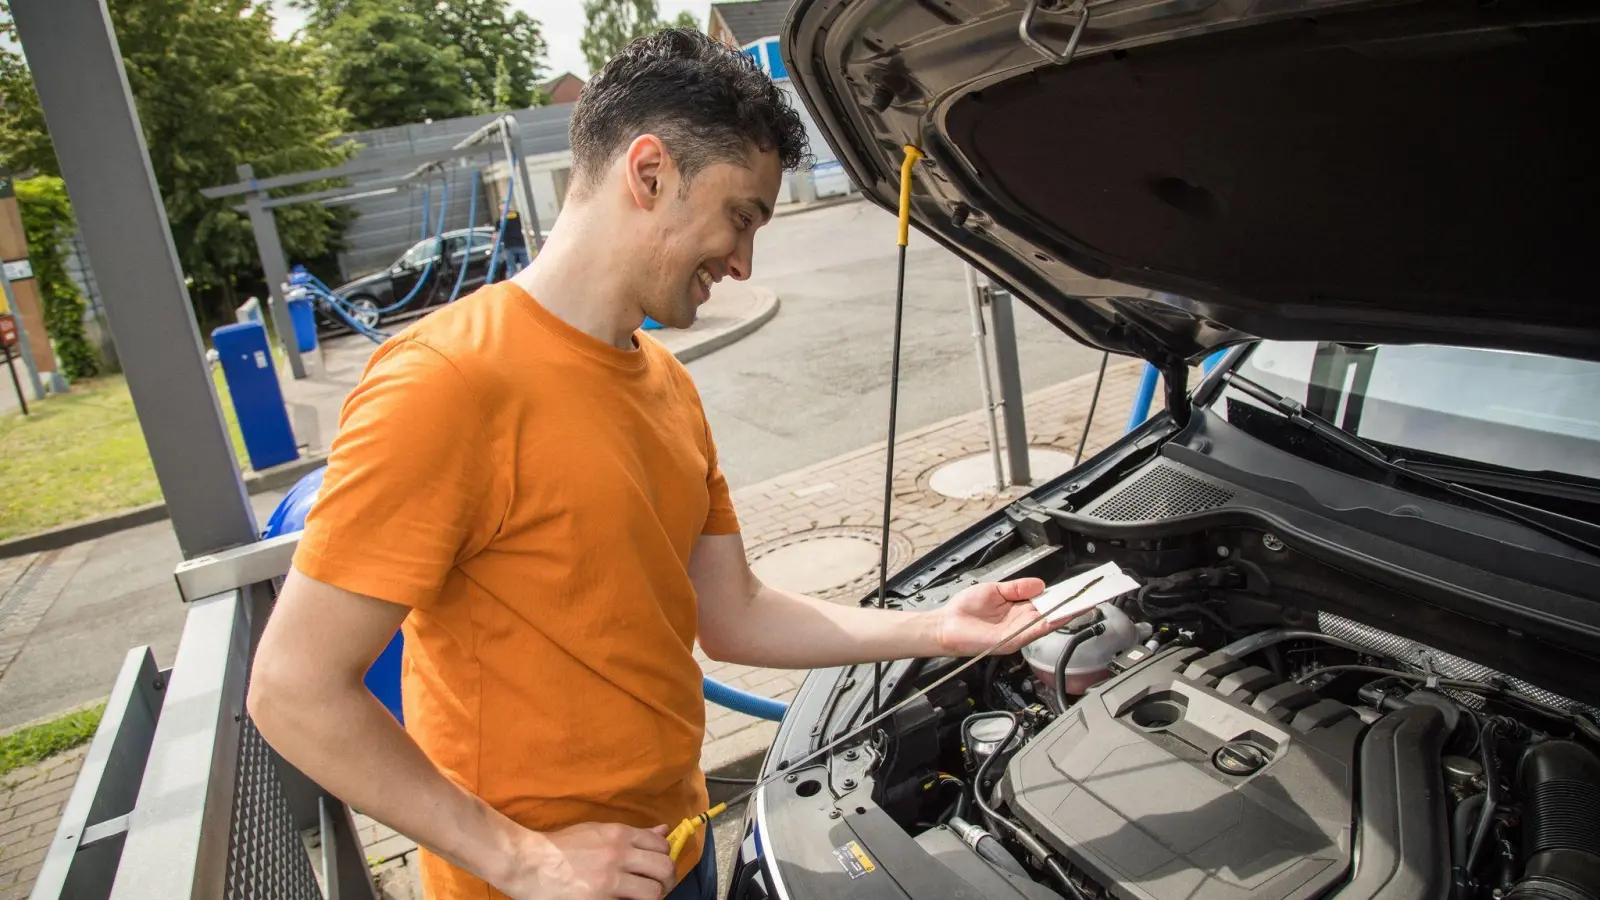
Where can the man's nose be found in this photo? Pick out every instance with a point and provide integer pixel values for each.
(741, 262)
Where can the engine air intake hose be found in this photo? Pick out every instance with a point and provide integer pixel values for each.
(1560, 783)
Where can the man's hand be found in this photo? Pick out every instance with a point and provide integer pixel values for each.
(593, 862)
(984, 613)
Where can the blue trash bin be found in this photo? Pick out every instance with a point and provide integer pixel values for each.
(305, 322)
(257, 401)
(383, 677)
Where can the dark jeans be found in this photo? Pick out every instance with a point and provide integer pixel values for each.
(516, 259)
(701, 882)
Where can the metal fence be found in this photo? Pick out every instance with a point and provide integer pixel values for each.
(180, 797)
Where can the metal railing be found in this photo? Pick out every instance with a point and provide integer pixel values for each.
(179, 795)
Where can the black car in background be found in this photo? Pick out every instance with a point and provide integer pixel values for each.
(371, 297)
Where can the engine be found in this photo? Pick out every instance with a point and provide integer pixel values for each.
(1160, 748)
(1194, 776)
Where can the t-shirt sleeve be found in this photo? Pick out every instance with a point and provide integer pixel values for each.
(720, 517)
(411, 487)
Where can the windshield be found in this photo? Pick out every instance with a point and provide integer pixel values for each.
(1513, 410)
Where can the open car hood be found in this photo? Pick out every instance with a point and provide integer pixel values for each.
(1202, 172)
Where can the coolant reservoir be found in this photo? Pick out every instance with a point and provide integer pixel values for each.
(1091, 659)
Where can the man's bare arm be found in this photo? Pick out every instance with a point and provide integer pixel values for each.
(745, 621)
(308, 700)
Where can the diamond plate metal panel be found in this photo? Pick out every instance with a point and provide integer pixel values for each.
(267, 860)
(1161, 492)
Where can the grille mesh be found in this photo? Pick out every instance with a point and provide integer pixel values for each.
(1162, 492)
(266, 857)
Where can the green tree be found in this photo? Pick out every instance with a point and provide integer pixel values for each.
(400, 61)
(612, 24)
(387, 68)
(47, 220)
(214, 88)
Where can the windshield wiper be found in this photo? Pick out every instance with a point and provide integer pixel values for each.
(1335, 436)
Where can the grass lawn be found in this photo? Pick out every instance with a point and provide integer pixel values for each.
(40, 742)
(81, 455)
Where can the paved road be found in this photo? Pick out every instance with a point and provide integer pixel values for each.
(813, 382)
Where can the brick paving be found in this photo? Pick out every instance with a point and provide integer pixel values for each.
(841, 496)
(30, 805)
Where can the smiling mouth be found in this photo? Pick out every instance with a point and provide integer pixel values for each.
(705, 277)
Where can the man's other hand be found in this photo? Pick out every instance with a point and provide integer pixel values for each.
(594, 862)
(980, 615)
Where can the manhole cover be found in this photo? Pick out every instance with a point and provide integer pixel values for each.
(826, 560)
(972, 478)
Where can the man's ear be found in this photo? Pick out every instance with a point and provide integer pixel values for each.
(646, 169)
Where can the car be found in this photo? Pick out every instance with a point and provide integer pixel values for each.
(370, 298)
(1356, 651)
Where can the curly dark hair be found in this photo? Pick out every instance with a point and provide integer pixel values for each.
(707, 102)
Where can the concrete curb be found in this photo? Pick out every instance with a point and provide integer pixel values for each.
(275, 478)
(713, 341)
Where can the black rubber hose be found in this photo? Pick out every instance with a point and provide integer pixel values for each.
(993, 816)
(1077, 638)
(1491, 798)
(1461, 830)
(1060, 873)
(1460, 839)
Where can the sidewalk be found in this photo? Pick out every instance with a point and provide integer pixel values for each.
(783, 519)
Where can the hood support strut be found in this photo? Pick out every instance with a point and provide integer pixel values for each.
(1175, 376)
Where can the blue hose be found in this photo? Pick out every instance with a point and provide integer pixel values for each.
(742, 702)
(444, 204)
(466, 255)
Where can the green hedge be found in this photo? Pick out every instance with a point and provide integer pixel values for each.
(47, 219)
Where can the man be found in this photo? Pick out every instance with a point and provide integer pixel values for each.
(513, 245)
(528, 484)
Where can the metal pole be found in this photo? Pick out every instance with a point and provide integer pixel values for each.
(981, 342)
(525, 185)
(11, 367)
(264, 222)
(88, 108)
(1011, 406)
(22, 338)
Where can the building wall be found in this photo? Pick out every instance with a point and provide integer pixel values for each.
(386, 225)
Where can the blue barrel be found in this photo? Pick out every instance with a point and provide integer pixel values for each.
(305, 323)
(257, 400)
(383, 678)
(651, 324)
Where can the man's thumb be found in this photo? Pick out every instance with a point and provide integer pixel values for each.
(661, 830)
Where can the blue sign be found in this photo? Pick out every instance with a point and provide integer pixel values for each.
(765, 53)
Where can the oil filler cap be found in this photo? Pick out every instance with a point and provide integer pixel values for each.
(1239, 758)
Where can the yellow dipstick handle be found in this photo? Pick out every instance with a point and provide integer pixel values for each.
(679, 837)
(912, 155)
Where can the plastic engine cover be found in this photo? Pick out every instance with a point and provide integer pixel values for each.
(1195, 777)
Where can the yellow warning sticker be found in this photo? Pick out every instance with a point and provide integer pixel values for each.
(855, 860)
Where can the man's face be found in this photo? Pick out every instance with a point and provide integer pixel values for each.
(703, 231)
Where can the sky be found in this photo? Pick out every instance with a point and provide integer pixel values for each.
(562, 21)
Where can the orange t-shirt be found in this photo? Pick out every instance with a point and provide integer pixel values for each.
(533, 494)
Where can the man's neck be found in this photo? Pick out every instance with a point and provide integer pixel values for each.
(582, 282)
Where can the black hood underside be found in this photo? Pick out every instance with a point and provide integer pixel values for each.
(1198, 175)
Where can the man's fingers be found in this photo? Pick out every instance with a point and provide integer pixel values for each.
(657, 867)
(633, 887)
(1021, 589)
(653, 840)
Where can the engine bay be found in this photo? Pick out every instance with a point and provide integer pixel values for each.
(1202, 738)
